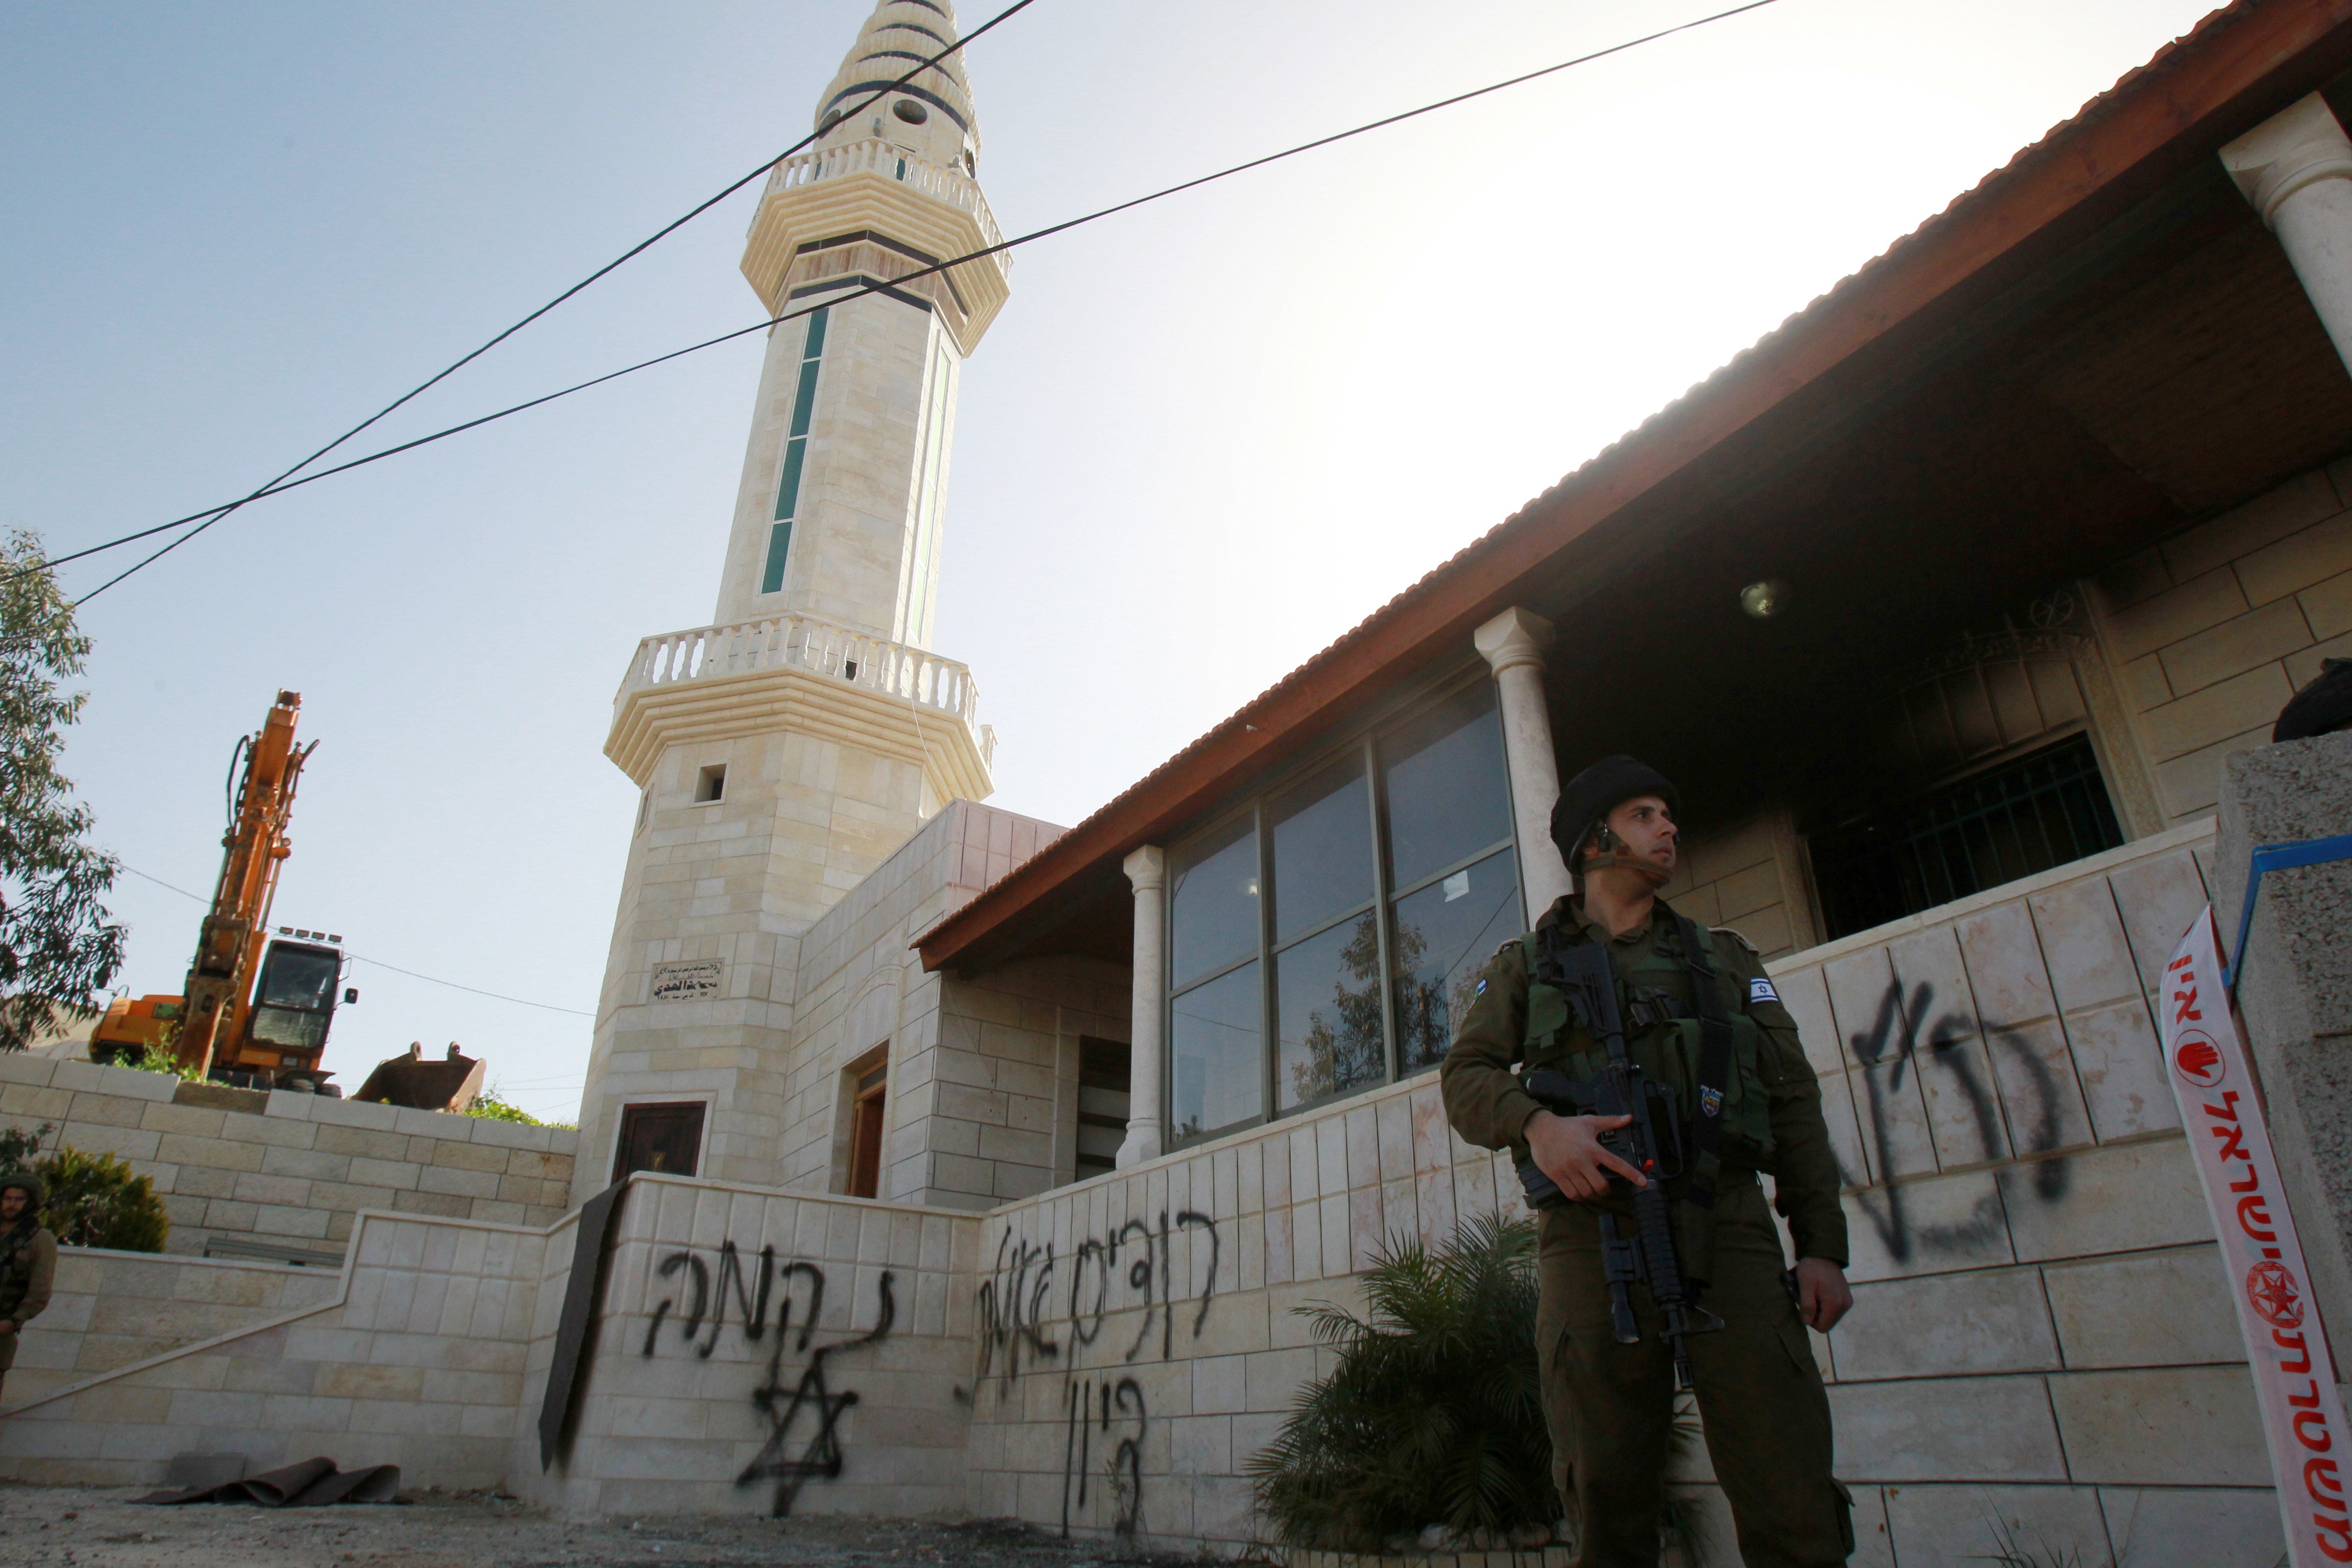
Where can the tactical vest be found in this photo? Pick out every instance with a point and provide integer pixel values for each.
(1663, 1036)
(16, 1267)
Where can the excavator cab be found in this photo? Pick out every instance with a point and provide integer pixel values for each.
(293, 1007)
(295, 1002)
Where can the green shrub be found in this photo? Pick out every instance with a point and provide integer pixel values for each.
(491, 1107)
(1433, 1413)
(157, 1058)
(94, 1200)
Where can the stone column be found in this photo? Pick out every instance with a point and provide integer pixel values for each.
(1148, 1053)
(1514, 644)
(2296, 989)
(2296, 169)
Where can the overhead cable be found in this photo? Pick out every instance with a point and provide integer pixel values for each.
(379, 964)
(284, 484)
(216, 514)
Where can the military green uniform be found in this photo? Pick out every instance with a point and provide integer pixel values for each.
(28, 1271)
(1609, 1406)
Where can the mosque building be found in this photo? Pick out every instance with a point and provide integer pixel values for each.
(934, 1159)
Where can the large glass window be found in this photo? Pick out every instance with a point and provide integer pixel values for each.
(1327, 939)
(1219, 1065)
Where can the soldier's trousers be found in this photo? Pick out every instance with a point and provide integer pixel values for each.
(1609, 1407)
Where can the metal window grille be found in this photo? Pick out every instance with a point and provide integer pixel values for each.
(1993, 827)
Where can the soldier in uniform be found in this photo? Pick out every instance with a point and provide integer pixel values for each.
(28, 1259)
(1609, 1406)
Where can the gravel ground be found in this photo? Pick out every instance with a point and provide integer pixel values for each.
(102, 1527)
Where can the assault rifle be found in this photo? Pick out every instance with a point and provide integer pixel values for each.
(1649, 1142)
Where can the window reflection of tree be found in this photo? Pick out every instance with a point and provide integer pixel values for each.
(1432, 1002)
(1343, 1045)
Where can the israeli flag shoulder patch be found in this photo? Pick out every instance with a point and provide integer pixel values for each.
(1760, 990)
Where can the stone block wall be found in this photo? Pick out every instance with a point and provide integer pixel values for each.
(973, 1101)
(112, 1308)
(292, 1170)
(416, 1359)
(2215, 629)
(748, 1338)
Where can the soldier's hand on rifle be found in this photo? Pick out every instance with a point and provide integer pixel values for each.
(1823, 1294)
(1568, 1150)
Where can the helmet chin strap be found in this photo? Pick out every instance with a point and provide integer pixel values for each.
(1611, 854)
(1655, 874)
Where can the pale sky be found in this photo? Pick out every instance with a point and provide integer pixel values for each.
(1202, 440)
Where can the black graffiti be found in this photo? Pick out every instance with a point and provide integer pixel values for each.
(1014, 1300)
(819, 1456)
(804, 1440)
(1131, 1265)
(1123, 1472)
(1892, 1042)
(752, 1304)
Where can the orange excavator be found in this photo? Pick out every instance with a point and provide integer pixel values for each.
(223, 1027)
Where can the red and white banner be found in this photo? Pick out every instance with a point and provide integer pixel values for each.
(2295, 1376)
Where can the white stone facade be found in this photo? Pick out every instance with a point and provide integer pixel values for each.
(789, 751)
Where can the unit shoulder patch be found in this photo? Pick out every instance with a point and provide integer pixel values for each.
(1742, 941)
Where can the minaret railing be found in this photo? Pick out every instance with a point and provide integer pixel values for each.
(876, 155)
(803, 642)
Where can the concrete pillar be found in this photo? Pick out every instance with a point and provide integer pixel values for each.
(1148, 1055)
(2294, 990)
(2296, 169)
(1514, 644)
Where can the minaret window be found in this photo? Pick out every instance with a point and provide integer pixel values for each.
(788, 489)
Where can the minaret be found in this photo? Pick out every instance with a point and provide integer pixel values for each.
(787, 748)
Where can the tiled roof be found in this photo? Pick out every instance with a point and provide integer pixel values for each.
(1979, 218)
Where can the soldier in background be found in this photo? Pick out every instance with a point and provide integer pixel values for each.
(28, 1260)
(1609, 1406)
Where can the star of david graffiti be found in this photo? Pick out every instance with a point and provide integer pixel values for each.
(808, 1414)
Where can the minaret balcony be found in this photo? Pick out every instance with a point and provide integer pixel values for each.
(795, 671)
(831, 195)
(882, 156)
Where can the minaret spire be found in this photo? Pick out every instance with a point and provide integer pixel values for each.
(789, 749)
(900, 35)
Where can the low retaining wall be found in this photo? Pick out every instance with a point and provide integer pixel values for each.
(416, 1358)
(111, 1309)
(288, 1169)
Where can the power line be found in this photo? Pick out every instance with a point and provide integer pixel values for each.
(379, 964)
(216, 514)
(284, 484)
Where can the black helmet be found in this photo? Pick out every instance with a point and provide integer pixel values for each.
(1593, 794)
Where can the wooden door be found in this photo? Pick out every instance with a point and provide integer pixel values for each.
(664, 1138)
(865, 1133)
